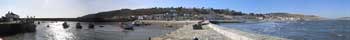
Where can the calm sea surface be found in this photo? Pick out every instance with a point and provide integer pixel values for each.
(110, 31)
(305, 30)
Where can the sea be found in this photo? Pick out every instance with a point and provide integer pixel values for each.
(297, 30)
(53, 30)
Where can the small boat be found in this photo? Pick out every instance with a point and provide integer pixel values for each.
(38, 22)
(91, 26)
(48, 26)
(65, 25)
(101, 26)
(127, 26)
(139, 23)
(78, 26)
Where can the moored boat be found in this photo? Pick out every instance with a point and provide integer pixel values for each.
(78, 26)
(65, 25)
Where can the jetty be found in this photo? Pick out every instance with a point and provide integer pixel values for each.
(208, 31)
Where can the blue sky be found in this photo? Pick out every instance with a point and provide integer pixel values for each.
(76, 8)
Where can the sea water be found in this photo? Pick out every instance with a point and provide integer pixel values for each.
(298, 30)
(53, 30)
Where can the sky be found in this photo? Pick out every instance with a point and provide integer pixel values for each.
(76, 8)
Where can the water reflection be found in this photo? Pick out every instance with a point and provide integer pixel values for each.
(110, 31)
(305, 30)
(57, 32)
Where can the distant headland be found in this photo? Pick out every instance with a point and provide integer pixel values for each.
(343, 18)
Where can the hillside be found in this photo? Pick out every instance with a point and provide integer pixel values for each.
(343, 18)
(181, 13)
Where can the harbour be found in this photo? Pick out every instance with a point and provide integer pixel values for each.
(174, 20)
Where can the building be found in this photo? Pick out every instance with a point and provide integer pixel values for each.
(10, 16)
